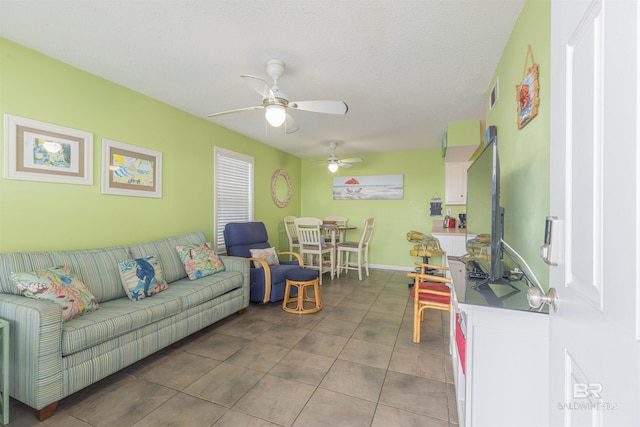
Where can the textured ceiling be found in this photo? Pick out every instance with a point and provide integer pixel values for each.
(405, 68)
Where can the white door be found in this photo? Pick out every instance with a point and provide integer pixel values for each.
(594, 350)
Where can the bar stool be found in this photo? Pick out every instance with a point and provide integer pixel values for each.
(301, 278)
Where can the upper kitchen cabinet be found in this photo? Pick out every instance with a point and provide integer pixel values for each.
(455, 178)
(462, 140)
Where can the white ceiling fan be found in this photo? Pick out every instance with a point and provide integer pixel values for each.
(335, 163)
(275, 102)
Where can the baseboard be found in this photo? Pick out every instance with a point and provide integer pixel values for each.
(391, 267)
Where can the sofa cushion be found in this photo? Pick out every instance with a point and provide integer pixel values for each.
(194, 293)
(57, 285)
(115, 318)
(165, 250)
(199, 260)
(142, 277)
(96, 268)
(122, 316)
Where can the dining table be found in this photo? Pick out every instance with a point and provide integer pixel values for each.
(336, 229)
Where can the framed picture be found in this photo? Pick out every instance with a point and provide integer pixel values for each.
(38, 151)
(527, 96)
(376, 187)
(128, 170)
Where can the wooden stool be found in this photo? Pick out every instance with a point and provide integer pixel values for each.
(301, 278)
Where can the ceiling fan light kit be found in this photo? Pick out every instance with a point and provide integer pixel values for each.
(333, 167)
(275, 114)
(276, 103)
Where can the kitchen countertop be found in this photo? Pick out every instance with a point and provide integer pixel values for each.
(450, 231)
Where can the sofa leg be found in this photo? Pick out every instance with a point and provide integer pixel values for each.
(241, 311)
(47, 411)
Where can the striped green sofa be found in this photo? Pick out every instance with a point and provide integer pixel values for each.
(51, 359)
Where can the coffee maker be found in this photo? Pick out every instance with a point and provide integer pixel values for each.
(463, 220)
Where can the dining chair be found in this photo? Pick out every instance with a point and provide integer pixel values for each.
(314, 246)
(340, 221)
(292, 234)
(429, 291)
(361, 249)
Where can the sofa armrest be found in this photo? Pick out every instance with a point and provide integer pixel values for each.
(242, 265)
(35, 356)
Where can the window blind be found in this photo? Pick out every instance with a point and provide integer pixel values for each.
(233, 184)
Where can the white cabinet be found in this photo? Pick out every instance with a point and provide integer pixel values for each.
(453, 243)
(506, 360)
(455, 177)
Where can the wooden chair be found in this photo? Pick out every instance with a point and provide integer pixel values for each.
(361, 249)
(428, 291)
(292, 234)
(339, 221)
(314, 246)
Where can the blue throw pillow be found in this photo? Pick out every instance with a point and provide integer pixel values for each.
(142, 277)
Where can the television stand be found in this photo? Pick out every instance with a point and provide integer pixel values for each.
(496, 337)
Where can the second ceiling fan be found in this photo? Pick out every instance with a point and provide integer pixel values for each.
(334, 162)
(276, 103)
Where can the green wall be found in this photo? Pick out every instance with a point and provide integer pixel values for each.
(50, 216)
(464, 133)
(423, 174)
(524, 153)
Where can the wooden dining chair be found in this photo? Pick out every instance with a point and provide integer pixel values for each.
(428, 291)
(292, 234)
(360, 249)
(340, 221)
(314, 246)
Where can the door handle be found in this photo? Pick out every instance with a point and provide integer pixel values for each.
(536, 298)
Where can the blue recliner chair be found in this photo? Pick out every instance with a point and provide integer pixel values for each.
(268, 282)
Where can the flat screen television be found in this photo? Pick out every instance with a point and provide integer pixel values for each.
(484, 214)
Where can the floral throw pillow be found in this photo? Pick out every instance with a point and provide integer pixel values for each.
(142, 277)
(268, 254)
(58, 285)
(199, 260)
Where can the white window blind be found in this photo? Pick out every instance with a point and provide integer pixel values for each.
(233, 183)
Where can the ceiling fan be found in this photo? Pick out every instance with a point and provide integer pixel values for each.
(335, 163)
(276, 103)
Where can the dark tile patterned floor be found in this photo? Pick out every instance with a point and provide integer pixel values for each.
(351, 364)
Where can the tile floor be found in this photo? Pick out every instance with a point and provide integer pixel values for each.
(351, 364)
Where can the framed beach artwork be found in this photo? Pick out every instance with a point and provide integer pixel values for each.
(128, 170)
(375, 187)
(39, 151)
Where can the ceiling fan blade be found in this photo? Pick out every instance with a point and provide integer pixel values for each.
(345, 165)
(259, 85)
(327, 107)
(257, 107)
(353, 160)
(290, 125)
